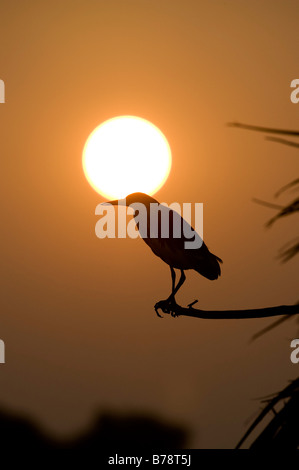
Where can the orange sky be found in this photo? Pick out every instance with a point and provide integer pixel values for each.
(77, 312)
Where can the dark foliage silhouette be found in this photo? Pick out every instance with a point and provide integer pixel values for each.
(282, 432)
(109, 431)
(292, 248)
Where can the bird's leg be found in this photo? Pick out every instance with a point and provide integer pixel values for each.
(175, 290)
(171, 297)
(180, 283)
(178, 286)
(164, 305)
(172, 278)
(168, 305)
(171, 300)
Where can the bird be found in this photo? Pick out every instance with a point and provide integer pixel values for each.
(168, 243)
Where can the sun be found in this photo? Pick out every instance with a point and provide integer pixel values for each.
(126, 154)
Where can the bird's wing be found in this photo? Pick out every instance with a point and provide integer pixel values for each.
(174, 227)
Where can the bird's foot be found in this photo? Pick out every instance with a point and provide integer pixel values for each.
(167, 306)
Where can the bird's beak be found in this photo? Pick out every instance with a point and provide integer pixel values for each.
(116, 202)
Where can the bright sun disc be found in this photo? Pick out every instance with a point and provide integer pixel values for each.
(124, 155)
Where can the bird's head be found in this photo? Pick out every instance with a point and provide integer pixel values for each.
(139, 198)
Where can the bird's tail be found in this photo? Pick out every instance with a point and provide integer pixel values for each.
(210, 267)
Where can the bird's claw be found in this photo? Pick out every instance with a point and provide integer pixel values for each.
(156, 310)
(167, 306)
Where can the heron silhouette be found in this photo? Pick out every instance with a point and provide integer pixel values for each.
(168, 236)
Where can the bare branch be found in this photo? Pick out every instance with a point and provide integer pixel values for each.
(176, 310)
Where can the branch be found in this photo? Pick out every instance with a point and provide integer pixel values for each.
(176, 310)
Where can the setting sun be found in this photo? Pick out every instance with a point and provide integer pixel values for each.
(126, 154)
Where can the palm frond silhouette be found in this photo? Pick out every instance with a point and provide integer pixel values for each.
(287, 210)
(287, 186)
(282, 432)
